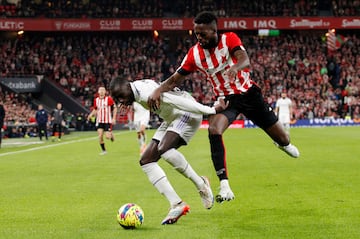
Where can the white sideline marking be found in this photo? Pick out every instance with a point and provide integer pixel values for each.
(53, 145)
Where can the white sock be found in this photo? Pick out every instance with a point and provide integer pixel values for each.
(158, 178)
(178, 161)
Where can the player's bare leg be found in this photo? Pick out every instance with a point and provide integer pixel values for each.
(101, 141)
(282, 139)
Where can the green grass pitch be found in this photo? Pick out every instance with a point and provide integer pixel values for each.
(67, 190)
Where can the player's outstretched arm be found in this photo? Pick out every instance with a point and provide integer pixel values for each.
(221, 105)
(169, 84)
(187, 103)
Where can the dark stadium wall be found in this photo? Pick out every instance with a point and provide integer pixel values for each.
(51, 94)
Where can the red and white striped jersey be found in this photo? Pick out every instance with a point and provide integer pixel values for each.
(214, 62)
(103, 107)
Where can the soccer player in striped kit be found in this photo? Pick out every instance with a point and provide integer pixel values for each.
(105, 110)
(222, 58)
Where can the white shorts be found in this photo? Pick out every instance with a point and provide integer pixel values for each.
(185, 126)
(141, 117)
(284, 118)
(141, 122)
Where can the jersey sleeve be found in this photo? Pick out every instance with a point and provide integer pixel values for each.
(233, 41)
(110, 101)
(188, 63)
(94, 104)
(142, 89)
(177, 100)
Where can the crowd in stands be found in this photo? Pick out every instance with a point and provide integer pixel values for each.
(321, 84)
(20, 117)
(18, 113)
(186, 8)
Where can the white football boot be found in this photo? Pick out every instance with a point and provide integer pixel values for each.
(206, 194)
(175, 213)
(289, 149)
(225, 193)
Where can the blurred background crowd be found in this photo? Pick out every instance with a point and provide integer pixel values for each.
(320, 84)
(185, 8)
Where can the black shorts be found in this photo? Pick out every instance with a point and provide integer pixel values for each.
(104, 126)
(252, 105)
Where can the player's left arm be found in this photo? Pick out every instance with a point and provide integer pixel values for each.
(237, 52)
(114, 115)
(187, 104)
(242, 63)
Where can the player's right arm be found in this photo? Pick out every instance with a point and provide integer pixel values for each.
(170, 83)
(93, 112)
(187, 66)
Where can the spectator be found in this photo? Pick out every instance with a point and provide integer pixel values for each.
(298, 64)
(57, 121)
(160, 8)
(2, 117)
(283, 111)
(41, 117)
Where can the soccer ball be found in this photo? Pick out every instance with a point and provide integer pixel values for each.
(130, 216)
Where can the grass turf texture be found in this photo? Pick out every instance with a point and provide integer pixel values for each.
(67, 190)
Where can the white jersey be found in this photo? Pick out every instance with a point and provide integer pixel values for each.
(284, 105)
(179, 110)
(172, 104)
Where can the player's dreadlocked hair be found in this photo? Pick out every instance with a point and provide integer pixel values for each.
(205, 17)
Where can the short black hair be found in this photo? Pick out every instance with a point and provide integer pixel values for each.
(205, 17)
(117, 83)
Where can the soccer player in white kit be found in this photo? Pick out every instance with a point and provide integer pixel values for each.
(182, 117)
(283, 110)
(141, 122)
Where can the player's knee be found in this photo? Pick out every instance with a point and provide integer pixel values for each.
(143, 161)
(214, 130)
(162, 149)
